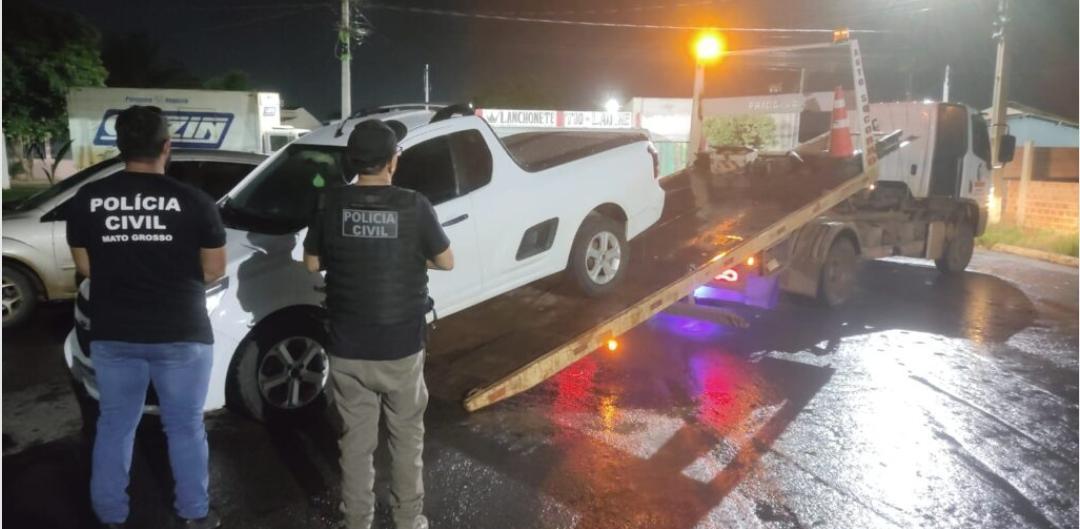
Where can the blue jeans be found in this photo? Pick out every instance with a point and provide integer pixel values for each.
(181, 376)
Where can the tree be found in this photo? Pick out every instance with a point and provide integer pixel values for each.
(45, 52)
(231, 80)
(134, 61)
(750, 130)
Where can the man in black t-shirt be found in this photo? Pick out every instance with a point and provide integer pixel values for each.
(149, 245)
(376, 242)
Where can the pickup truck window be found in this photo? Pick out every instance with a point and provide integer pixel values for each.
(281, 198)
(472, 160)
(446, 167)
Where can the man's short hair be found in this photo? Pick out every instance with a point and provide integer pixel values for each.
(141, 133)
(371, 168)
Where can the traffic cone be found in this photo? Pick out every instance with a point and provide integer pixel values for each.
(840, 135)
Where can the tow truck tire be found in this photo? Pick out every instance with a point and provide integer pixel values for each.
(20, 295)
(284, 372)
(837, 282)
(958, 251)
(599, 257)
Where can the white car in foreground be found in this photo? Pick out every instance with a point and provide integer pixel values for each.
(516, 208)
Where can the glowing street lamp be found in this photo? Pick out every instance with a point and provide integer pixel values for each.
(612, 106)
(708, 48)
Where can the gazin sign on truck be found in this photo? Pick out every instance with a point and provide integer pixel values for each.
(198, 119)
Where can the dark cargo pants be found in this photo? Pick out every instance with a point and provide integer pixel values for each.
(363, 388)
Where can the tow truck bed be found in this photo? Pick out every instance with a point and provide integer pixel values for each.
(515, 341)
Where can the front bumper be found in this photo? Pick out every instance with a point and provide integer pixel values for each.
(82, 370)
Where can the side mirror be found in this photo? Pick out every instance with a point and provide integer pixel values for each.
(1007, 148)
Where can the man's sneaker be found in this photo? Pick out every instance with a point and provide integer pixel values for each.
(211, 521)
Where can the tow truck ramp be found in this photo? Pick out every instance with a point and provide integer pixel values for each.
(515, 341)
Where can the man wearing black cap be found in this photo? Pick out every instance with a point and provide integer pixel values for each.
(150, 244)
(376, 243)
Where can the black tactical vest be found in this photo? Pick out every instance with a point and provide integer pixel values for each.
(376, 272)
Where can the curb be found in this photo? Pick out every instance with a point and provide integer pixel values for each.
(1037, 254)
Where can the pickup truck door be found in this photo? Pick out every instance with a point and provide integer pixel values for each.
(428, 167)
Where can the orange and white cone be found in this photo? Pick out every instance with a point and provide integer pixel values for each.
(840, 135)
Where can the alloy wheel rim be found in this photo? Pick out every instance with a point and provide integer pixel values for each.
(603, 257)
(12, 299)
(293, 373)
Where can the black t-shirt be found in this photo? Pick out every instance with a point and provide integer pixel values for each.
(381, 342)
(143, 233)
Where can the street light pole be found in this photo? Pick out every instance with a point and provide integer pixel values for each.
(707, 48)
(697, 125)
(345, 41)
(998, 125)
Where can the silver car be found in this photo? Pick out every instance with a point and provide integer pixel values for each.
(37, 262)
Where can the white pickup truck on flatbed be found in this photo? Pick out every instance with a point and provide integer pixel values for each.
(516, 209)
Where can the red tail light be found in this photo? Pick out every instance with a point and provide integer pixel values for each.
(655, 160)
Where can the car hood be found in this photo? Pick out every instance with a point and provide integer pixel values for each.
(10, 215)
(18, 224)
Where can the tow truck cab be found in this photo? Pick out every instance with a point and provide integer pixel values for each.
(930, 201)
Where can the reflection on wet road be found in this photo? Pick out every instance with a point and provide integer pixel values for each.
(927, 402)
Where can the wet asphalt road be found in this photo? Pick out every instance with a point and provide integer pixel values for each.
(926, 402)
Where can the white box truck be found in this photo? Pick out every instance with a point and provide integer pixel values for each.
(198, 119)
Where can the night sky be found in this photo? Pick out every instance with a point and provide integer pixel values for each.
(288, 46)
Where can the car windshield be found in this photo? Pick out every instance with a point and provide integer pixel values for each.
(40, 198)
(281, 197)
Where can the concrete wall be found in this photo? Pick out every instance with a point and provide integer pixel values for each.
(1050, 205)
(1051, 199)
(1047, 163)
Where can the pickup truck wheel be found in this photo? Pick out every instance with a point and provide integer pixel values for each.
(958, 251)
(599, 257)
(20, 296)
(837, 281)
(284, 371)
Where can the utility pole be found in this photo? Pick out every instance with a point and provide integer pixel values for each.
(345, 42)
(998, 126)
(707, 49)
(945, 86)
(427, 85)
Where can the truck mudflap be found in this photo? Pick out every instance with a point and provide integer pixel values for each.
(515, 341)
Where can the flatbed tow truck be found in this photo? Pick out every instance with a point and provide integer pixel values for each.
(515, 341)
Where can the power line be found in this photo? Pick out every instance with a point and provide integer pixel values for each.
(267, 17)
(537, 20)
(606, 11)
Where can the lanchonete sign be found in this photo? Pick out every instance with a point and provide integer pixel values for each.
(556, 119)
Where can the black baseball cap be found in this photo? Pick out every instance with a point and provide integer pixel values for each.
(374, 141)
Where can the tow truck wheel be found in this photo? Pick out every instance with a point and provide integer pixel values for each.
(284, 371)
(20, 296)
(958, 251)
(599, 257)
(837, 281)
